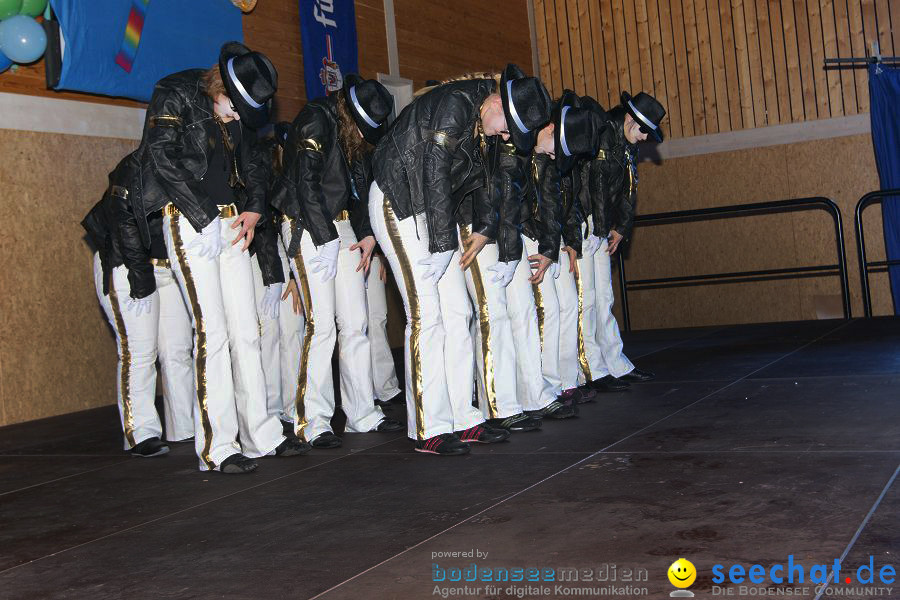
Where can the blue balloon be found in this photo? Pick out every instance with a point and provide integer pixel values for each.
(5, 63)
(22, 39)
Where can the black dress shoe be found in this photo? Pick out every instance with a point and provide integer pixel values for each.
(327, 440)
(287, 429)
(150, 447)
(638, 376)
(237, 464)
(389, 426)
(609, 384)
(398, 398)
(291, 446)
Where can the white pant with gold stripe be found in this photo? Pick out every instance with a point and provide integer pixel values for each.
(439, 360)
(335, 312)
(230, 386)
(384, 374)
(136, 341)
(566, 289)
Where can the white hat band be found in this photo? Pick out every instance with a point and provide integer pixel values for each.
(562, 131)
(641, 116)
(240, 87)
(361, 110)
(512, 109)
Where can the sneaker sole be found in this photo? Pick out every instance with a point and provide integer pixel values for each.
(454, 453)
(525, 429)
(235, 470)
(160, 452)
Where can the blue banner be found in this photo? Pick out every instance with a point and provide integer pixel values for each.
(884, 94)
(122, 47)
(328, 34)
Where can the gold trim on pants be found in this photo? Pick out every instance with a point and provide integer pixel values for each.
(582, 355)
(415, 321)
(484, 324)
(539, 306)
(125, 375)
(200, 367)
(304, 353)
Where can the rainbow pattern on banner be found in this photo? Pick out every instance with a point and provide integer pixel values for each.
(125, 57)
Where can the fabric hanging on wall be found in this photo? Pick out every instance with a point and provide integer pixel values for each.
(175, 35)
(328, 33)
(884, 93)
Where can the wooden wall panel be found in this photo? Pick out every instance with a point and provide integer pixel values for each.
(717, 65)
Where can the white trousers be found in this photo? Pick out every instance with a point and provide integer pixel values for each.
(570, 352)
(230, 386)
(607, 336)
(438, 354)
(384, 374)
(291, 327)
(547, 312)
(136, 343)
(335, 312)
(495, 350)
(175, 344)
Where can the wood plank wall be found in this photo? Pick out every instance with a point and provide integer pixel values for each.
(716, 65)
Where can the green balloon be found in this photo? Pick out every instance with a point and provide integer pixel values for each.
(33, 8)
(9, 8)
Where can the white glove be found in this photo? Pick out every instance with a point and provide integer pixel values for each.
(437, 263)
(326, 260)
(209, 241)
(503, 272)
(591, 244)
(554, 270)
(138, 306)
(271, 300)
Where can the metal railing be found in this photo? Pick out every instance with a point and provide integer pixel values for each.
(740, 210)
(865, 267)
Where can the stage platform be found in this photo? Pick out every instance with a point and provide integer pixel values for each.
(756, 443)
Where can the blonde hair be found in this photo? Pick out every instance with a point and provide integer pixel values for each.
(212, 83)
(495, 75)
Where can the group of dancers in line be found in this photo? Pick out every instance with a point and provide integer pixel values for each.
(240, 260)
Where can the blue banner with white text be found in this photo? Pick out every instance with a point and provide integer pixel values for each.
(328, 34)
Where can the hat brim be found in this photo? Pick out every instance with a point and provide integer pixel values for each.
(254, 118)
(656, 134)
(524, 142)
(369, 133)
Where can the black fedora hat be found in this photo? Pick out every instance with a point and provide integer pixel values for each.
(370, 104)
(526, 105)
(576, 130)
(251, 81)
(647, 111)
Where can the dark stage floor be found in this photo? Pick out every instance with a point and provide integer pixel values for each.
(755, 443)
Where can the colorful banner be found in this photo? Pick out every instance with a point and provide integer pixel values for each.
(328, 33)
(160, 37)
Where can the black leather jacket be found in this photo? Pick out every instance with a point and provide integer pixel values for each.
(572, 217)
(610, 180)
(318, 183)
(542, 209)
(114, 232)
(430, 159)
(178, 139)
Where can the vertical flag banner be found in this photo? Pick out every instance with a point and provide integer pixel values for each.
(328, 34)
(125, 57)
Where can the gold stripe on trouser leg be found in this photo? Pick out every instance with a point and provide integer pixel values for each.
(125, 375)
(415, 323)
(484, 324)
(539, 305)
(304, 354)
(190, 286)
(582, 355)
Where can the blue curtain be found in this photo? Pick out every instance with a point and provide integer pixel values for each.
(884, 93)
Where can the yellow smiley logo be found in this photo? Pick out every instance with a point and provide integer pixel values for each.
(682, 573)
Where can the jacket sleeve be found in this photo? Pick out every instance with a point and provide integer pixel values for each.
(265, 247)
(448, 129)
(571, 232)
(257, 172)
(510, 181)
(598, 192)
(135, 255)
(361, 174)
(308, 140)
(549, 214)
(625, 207)
(171, 159)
